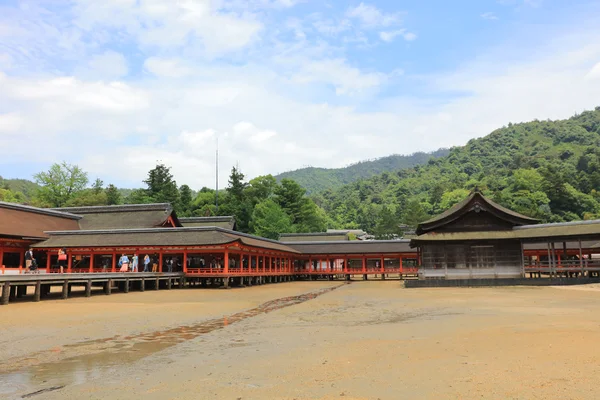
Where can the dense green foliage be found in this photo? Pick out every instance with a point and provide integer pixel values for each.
(269, 219)
(63, 185)
(315, 180)
(17, 188)
(262, 206)
(60, 184)
(545, 169)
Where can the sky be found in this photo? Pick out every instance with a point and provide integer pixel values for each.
(116, 86)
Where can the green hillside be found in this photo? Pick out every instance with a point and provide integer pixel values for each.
(20, 189)
(545, 169)
(318, 179)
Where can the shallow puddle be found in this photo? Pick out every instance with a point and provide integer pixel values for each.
(32, 377)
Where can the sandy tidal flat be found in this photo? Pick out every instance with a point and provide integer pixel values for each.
(365, 340)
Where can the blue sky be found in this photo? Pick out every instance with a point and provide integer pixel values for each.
(116, 85)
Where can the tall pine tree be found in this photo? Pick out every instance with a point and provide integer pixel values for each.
(162, 188)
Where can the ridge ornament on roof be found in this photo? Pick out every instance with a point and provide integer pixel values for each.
(475, 202)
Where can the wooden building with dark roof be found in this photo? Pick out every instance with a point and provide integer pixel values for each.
(227, 222)
(21, 226)
(476, 238)
(195, 251)
(473, 239)
(313, 237)
(127, 216)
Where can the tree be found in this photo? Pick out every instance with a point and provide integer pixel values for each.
(261, 188)
(97, 185)
(312, 218)
(60, 184)
(526, 179)
(303, 212)
(236, 184)
(236, 201)
(161, 186)
(139, 196)
(112, 195)
(185, 200)
(87, 197)
(10, 196)
(414, 214)
(451, 198)
(435, 195)
(289, 196)
(269, 220)
(387, 226)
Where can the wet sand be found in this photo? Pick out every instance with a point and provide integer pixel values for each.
(365, 340)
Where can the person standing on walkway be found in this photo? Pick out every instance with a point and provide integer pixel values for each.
(124, 263)
(62, 260)
(146, 263)
(170, 265)
(154, 262)
(28, 260)
(134, 263)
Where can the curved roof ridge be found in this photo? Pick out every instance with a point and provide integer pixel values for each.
(47, 211)
(447, 215)
(116, 208)
(210, 218)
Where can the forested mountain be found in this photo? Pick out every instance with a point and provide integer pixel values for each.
(315, 180)
(26, 187)
(545, 169)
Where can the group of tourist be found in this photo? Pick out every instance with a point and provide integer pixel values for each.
(127, 265)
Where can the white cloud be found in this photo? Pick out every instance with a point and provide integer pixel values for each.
(11, 122)
(337, 72)
(109, 65)
(6, 62)
(533, 3)
(594, 73)
(489, 16)
(521, 3)
(389, 36)
(115, 97)
(165, 24)
(171, 68)
(275, 105)
(371, 16)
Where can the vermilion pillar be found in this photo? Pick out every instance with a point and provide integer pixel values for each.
(185, 255)
(226, 262)
(114, 262)
(69, 262)
(92, 262)
(364, 264)
(401, 267)
(160, 262)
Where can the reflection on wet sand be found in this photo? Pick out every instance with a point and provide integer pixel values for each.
(103, 354)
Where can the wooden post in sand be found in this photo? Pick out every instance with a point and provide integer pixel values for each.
(5, 293)
(38, 291)
(108, 287)
(65, 290)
